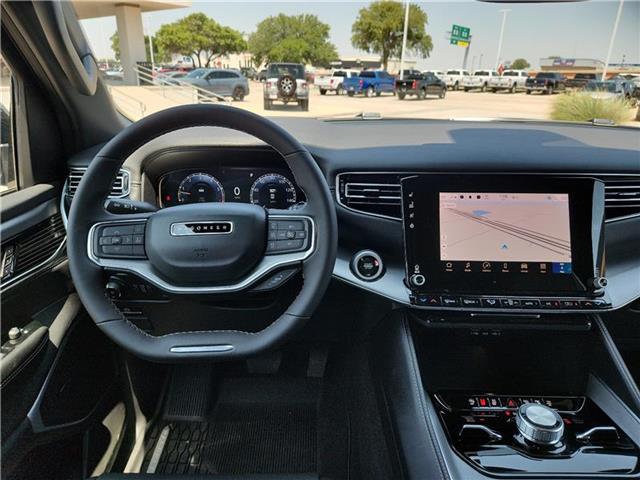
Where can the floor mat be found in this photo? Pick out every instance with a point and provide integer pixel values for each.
(254, 426)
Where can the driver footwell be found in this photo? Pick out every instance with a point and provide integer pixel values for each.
(236, 422)
(237, 435)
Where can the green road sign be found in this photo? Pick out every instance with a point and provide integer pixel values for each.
(460, 35)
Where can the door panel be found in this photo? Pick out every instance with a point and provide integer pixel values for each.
(58, 375)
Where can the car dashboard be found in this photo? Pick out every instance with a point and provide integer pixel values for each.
(366, 164)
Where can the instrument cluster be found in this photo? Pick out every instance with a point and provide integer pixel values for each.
(267, 187)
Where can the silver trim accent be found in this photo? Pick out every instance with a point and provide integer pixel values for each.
(586, 436)
(144, 269)
(599, 176)
(126, 182)
(203, 349)
(180, 229)
(536, 426)
(493, 435)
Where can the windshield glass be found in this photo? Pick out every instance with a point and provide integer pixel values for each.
(277, 70)
(363, 45)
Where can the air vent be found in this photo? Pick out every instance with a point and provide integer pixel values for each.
(372, 193)
(622, 196)
(120, 187)
(32, 249)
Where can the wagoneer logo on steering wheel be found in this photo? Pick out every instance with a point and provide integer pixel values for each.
(201, 228)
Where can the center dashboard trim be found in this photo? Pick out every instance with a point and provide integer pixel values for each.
(408, 173)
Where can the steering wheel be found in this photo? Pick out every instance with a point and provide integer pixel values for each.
(205, 248)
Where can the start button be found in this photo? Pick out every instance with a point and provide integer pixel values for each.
(367, 265)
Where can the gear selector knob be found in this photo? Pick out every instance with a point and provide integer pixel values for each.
(539, 424)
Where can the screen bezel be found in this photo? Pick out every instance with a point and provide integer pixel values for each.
(422, 243)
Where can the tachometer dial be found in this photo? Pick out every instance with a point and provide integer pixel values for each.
(273, 190)
(200, 188)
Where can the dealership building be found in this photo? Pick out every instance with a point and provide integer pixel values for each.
(571, 66)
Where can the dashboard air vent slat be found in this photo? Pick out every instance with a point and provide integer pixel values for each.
(119, 188)
(373, 193)
(622, 196)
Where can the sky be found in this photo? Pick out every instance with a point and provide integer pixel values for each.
(532, 31)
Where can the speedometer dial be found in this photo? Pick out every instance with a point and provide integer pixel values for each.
(273, 190)
(200, 188)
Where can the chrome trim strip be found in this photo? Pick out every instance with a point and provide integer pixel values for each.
(559, 174)
(144, 269)
(203, 349)
(126, 179)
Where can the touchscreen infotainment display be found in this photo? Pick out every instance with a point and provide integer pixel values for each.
(505, 232)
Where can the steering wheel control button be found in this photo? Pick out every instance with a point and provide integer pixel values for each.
(287, 236)
(276, 280)
(539, 424)
(367, 265)
(120, 241)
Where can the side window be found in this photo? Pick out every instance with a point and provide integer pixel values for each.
(7, 162)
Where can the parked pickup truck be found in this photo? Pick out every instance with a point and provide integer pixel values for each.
(546, 82)
(370, 82)
(580, 80)
(333, 82)
(511, 80)
(479, 80)
(453, 78)
(420, 85)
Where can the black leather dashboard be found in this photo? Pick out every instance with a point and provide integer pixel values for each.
(535, 149)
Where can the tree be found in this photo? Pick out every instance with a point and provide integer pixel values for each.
(292, 38)
(158, 54)
(379, 27)
(520, 64)
(199, 37)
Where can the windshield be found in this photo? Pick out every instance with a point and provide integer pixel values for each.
(363, 45)
(277, 70)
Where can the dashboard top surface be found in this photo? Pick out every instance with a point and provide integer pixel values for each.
(436, 145)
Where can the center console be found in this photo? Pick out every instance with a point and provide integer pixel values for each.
(532, 434)
(505, 244)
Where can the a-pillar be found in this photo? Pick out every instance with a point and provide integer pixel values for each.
(131, 33)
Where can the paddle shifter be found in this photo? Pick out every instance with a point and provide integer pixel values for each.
(539, 424)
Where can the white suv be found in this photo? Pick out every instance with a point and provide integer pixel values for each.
(511, 80)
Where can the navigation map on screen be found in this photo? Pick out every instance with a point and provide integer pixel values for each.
(506, 227)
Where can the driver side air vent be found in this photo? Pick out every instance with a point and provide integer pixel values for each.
(119, 188)
(622, 196)
(371, 193)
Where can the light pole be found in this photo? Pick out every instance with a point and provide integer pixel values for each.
(612, 40)
(150, 45)
(404, 39)
(504, 21)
